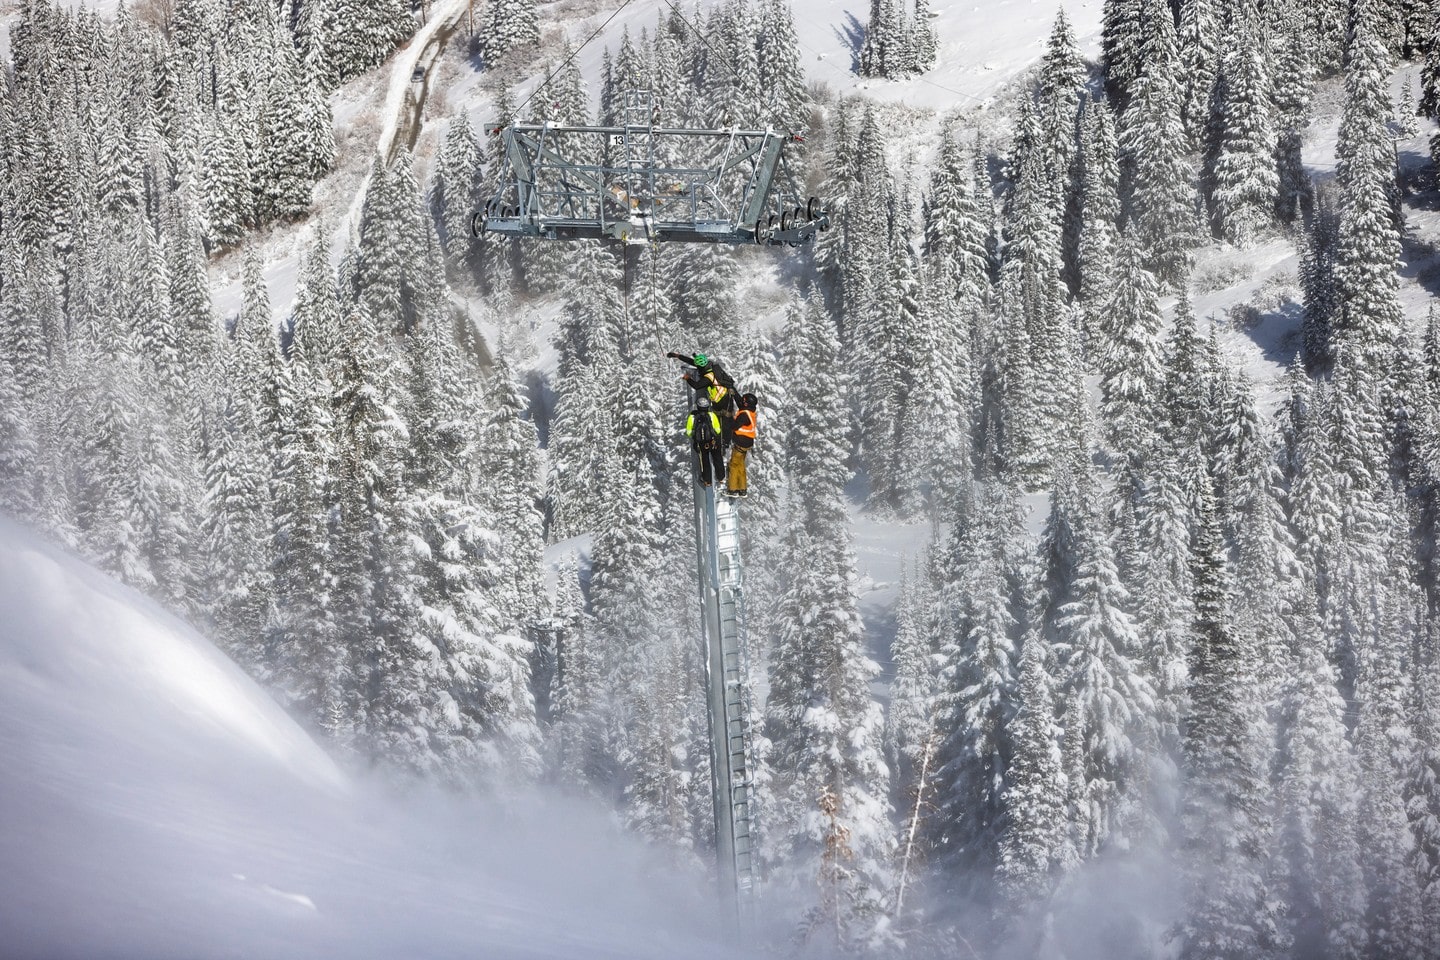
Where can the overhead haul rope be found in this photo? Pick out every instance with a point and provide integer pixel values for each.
(718, 55)
(572, 56)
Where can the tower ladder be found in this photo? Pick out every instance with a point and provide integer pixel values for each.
(722, 605)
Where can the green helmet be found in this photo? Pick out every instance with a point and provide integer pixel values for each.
(701, 360)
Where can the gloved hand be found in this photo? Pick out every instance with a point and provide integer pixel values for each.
(674, 356)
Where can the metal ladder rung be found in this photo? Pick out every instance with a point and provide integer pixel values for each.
(721, 576)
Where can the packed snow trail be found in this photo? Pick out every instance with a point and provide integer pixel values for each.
(158, 804)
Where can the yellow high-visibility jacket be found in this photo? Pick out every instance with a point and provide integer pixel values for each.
(714, 426)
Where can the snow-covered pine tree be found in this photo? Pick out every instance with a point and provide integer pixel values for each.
(1328, 30)
(514, 25)
(630, 72)
(1293, 74)
(1270, 599)
(1036, 848)
(374, 574)
(384, 274)
(1014, 447)
(233, 560)
(1316, 816)
(105, 415)
(145, 302)
(316, 118)
(1417, 17)
(1128, 354)
(1320, 291)
(1225, 809)
(19, 450)
(118, 186)
(882, 54)
(1164, 601)
(782, 80)
(705, 303)
(1163, 203)
(454, 194)
(1200, 38)
(955, 239)
(1368, 246)
(924, 45)
(630, 603)
(194, 315)
(837, 186)
(474, 655)
(911, 726)
(864, 262)
(667, 82)
(1381, 631)
(1099, 204)
(1422, 789)
(936, 435)
(255, 374)
(305, 660)
(824, 727)
(284, 169)
(1060, 93)
(1062, 96)
(355, 35)
(578, 759)
(511, 492)
(1429, 105)
(885, 373)
(977, 689)
(1121, 38)
(226, 180)
(1110, 703)
(1246, 181)
(588, 342)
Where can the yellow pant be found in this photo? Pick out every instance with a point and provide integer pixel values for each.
(735, 477)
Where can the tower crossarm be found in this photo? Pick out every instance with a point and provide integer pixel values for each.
(639, 181)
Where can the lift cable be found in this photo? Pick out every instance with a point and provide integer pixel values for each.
(718, 55)
(572, 56)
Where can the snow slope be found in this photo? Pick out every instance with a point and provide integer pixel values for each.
(156, 803)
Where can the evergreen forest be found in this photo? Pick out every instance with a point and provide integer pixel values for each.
(1163, 677)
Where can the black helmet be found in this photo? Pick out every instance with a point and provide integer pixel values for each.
(703, 403)
(747, 401)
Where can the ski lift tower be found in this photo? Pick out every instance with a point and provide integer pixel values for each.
(722, 609)
(639, 183)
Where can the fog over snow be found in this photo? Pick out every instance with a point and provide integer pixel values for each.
(157, 803)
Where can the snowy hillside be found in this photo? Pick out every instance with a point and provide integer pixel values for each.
(1084, 598)
(158, 804)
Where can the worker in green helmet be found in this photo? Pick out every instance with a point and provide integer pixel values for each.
(709, 379)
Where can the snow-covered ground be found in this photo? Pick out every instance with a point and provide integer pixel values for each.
(156, 804)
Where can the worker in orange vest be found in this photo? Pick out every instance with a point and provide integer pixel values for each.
(742, 438)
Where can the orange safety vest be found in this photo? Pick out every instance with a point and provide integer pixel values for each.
(745, 424)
